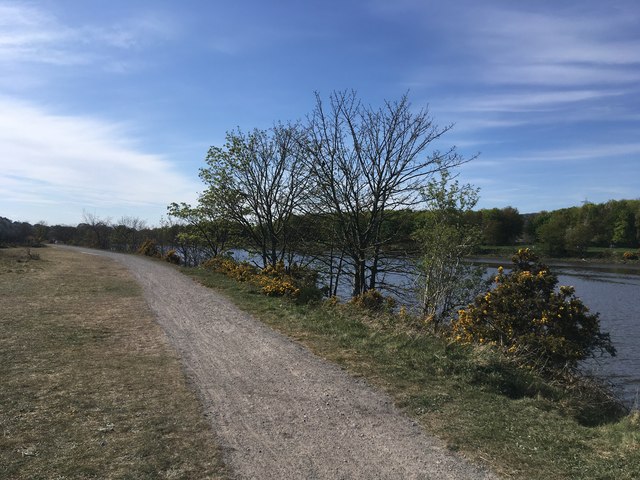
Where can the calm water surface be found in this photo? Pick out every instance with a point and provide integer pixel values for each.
(617, 297)
(614, 293)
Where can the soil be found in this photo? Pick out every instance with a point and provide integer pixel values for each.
(277, 410)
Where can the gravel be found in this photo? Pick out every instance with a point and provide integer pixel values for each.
(277, 410)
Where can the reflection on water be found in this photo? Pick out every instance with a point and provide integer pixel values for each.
(616, 297)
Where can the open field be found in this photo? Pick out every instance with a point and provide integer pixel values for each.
(90, 387)
(514, 422)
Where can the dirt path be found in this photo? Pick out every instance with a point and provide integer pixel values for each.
(279, 411)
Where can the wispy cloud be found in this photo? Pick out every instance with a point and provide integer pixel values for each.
(79, 162)
(535, 101)
(564, 48)
(582, 153)
(31, 35)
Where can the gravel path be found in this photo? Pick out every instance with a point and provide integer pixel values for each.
(278, 411)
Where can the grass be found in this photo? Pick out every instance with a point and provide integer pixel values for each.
(480, 405)
(90, 388)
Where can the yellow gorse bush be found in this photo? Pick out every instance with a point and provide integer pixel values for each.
(525, 316)
(272, 280)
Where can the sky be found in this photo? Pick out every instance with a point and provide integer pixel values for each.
(109, 108)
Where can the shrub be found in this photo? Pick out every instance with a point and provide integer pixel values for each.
(276, 282)
(630, 256)
(172, 257)
(373, 300)
(242, 272)
(149, 249)
(526, 317)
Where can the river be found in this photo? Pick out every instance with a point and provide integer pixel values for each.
(613, 291)
(617, 297)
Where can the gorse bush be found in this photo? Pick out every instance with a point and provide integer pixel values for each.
(172, 257)
(527, 318)
(149, 249)
(240, 271)
(273, 281)
(373, 300)
(276, 282)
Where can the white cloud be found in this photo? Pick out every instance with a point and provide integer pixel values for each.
(535, 101)
(32, 35)
(559, 48)
(581, 153)
(79, 162)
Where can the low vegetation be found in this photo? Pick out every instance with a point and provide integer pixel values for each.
(90, 389)
(523, 424)
(528, 318)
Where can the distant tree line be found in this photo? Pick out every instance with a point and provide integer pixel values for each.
(568, 231)
(571, 231)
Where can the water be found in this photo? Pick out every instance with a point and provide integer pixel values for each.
(613, 292)
(617, 297)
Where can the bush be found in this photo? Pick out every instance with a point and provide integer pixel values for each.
(272, 280)
(373, 300)
(149, 249)
(172, 257)
(527, 318)
(630, 256)
(276, 282)
(242, 272)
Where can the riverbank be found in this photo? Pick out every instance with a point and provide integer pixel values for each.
(479, 404)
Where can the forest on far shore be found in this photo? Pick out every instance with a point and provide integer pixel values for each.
(568, 232)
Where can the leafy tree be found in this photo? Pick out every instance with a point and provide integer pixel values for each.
(203, 230)
(551, 235)
(525, 316)
(501, 226)
(258, 181)
(624, 229)
(445, 239)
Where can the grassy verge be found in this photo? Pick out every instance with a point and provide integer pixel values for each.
(476, 402)
(90, 388)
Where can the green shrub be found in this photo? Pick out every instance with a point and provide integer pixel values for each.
(527, 318)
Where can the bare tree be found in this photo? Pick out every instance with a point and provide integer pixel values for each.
(365, 163)
(98, 230)
(257, 180)
(126, 233)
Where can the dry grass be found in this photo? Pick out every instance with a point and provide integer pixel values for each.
(90, 388)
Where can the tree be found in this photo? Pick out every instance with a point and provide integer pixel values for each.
(126, 233)
(445, 239)
(203, 232)
(366, 163)
(258, 181)
(97, 230)
(501, 226)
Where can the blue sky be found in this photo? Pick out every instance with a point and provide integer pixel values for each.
(110, 107)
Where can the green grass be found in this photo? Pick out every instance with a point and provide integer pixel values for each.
(90, 388)
(477, 402)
